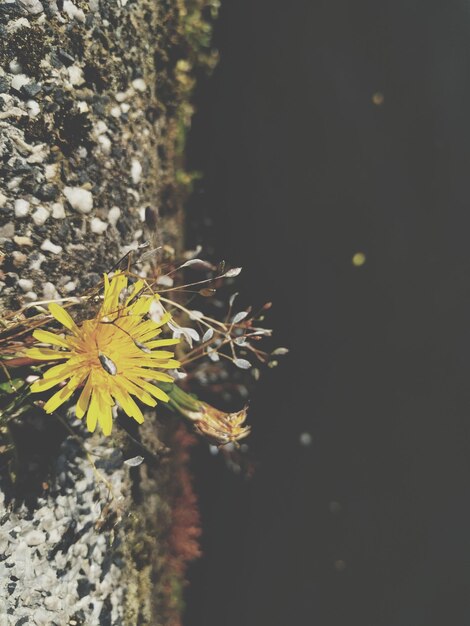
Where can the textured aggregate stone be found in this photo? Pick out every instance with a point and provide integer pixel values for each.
(51, 562)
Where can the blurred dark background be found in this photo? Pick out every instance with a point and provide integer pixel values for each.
(331, 128)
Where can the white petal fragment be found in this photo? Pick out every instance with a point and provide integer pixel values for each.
(239, 317)
(208, 335)
(235, 271)
(134, 461)
(242, 364)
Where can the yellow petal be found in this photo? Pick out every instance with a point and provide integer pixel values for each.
(167, 365)
(160, 354)
(63, 317)
(44, 384)
(58, 398)
(92, 413)
(106, 397)
(137, 287)
(105, 416)
(141, 306)
(111, 295)
(152, 389)
(143, 396)
(150, 374)
(65, 370)
(84, 398)
(106, 283)
(147, 328)
(161, 342)
(127, 403)
(46, 337)
(149, 325)
(46, 354)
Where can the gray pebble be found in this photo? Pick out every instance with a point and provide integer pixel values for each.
(8, 230)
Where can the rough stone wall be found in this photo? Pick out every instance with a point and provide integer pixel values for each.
(87, 113)
(93, 105)
(57, 567)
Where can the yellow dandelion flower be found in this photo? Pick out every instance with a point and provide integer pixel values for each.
(111, 357)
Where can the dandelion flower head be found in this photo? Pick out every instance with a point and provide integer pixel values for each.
(111, 357)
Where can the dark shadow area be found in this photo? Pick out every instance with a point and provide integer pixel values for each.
(304, 167)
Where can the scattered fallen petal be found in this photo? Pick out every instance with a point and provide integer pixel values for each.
(134, 461)
(239, 317)
(208, 335)
(242, 364)
(235, 271)
(199, 262)
(232, 298)
(196, 315)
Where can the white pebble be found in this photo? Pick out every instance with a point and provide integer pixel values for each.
(15, 182)
(36, 264)
(50, 170)
(97, 226)
(52, 603)
(73, 12)
(54, 534)
(18, 81)
(70, 286)
(26, 284)
(21, 208)
(19, 258)
(15, 67)
(116, 112)
(42, 617)
(23, 241)
(3, 200)
(139, 84)
(83, 107)
(40, 216)
(105, 143)
(136, 171)
(35, 538)
(121, 96)
(100, 127)
(15, 25)
(125, 107)
(80, 199)
(113, 215)
(31, 295)
(50, 292)
(75, 75)
(39, 153)
(33, 108)
(34, 7)
(48, 246)
(58, 211)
